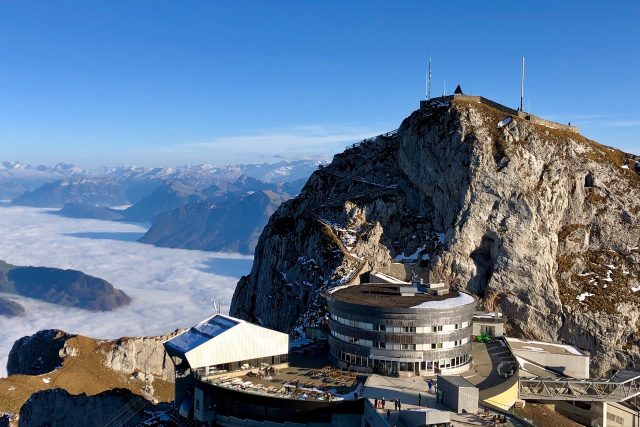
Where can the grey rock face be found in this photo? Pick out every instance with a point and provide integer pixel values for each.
(141, 354)
(56, 407)
(44, 351)
(540, 222)
(37, 354)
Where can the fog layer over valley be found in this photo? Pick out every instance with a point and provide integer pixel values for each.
(169, 288)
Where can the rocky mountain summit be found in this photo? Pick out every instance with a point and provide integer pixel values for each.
(535, 219)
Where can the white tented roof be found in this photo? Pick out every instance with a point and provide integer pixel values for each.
(224, 339)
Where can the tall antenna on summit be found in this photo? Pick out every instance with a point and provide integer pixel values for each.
(522, 87)
(429, 80)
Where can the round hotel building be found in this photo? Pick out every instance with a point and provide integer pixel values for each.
(400, 330)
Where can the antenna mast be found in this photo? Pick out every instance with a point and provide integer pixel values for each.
(522, 87)
(429, 80)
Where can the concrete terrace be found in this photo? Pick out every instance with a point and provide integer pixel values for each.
(486, 359)
(291, 382)
(407, 389)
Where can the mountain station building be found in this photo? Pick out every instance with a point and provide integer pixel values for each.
(400, 329)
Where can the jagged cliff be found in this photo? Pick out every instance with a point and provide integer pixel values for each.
(541, 222)
(70, 365)
(56, 407)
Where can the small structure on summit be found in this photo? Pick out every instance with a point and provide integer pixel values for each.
(458, 91)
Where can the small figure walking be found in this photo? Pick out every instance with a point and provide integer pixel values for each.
(383, 402)
(388, 414)
(430, 383)
(419, 399)
(395, 405)
(375, 404)
(399, 404)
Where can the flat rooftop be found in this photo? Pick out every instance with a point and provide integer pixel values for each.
(387, 295)
(518, 344)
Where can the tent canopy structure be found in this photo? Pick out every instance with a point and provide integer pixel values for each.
(223, 339)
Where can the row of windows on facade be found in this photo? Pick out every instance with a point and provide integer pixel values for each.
(394, 346)
(401, 329)
(241, 364)
(423, 365)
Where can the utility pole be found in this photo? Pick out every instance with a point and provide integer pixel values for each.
(429, 80)
(522, 87)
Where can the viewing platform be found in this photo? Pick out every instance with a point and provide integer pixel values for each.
(447, 100)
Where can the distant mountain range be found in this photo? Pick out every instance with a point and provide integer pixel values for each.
(64, 183)
(194, 206)
(16, 177)
(231, 224)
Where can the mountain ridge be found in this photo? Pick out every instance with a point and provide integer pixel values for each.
(511, 210)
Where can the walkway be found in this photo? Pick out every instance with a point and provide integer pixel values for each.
(622, 386)
(486, 358)
(407, 389)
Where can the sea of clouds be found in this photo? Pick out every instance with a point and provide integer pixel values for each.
(169, 288)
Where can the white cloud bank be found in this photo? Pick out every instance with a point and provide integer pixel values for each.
(169, 288)
(300, 142)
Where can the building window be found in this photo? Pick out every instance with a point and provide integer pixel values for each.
(436, 345)
(437, 328)
(409, 329)
(408, 347)
(379, 344)
(379, 328)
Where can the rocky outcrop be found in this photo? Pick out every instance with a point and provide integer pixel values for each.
(65, 287)
(79, 210)
(44, 351)
(541, 222)
(56, 407)
(143, 355)
(10, 308)
(77, 364)
(37, 354)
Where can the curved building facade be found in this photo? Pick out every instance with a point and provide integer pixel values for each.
(390, 330)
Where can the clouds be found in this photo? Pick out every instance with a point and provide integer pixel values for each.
(626, 123)
(300, 142)
(170, 288)
(595, 120)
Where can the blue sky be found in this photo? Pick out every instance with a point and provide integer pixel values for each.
(170, 82)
